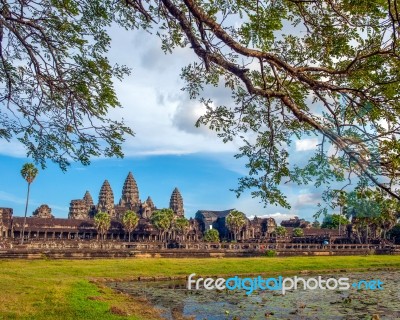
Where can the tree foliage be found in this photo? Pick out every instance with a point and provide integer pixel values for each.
(281, 231)
(102, 222)
(56, 83)
(316, 224)
(394, 234)
(162, 220)
(130, 221)
(298, 232)
(332, 221)
(211, 235)
(373, 212)
(296, 69)
(29, 173)
(181, 225)
(235, 221)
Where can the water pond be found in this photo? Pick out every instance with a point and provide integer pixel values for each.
(177, 302)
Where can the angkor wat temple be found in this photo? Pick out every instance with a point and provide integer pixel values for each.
(80, 222)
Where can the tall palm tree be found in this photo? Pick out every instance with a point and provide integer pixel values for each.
(181, 225)
(102, 222)
(130, 221)
(29, 173)
(235, 221)
(162, 221)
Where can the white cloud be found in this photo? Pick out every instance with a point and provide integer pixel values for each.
(306, 144)
(308, 199)
(13, 148)
(7, 197)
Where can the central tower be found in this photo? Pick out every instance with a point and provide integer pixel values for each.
(130, 193)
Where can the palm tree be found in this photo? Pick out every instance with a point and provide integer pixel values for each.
(29, 173)
(130, 221)
(162, 220)
(102, 221)
(181, 225)
(235, 221)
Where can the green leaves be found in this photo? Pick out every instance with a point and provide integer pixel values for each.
(130, 220)
(235, 221)
(57, 82)
(298, 232)
(29, 172)
(211, 235)
(181, 224)
(162, 219)
(102, 221)
(333, 221)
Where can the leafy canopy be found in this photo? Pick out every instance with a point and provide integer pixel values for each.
(130, 220)
(281, 231)
(102, 221)
(211, 235)
(332, 221)
(29, 172)
(181, 224)
(295, 69)
(298, 232)
(162, 219)
(56, 83)
(235, 221)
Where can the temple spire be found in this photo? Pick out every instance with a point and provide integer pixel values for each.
(88, 199)
(176, 202)
(130, 192)
(106, 199)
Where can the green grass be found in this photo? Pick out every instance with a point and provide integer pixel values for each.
(61, 289)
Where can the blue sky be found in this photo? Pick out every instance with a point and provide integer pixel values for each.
(203, 179)
(166, 152)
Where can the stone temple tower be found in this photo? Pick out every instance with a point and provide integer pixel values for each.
(88, 199)
(147, 208)
(130, 193)
(176, 202)
(106, 199)
(90, 207)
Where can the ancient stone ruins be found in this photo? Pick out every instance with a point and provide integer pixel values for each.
(43, 230)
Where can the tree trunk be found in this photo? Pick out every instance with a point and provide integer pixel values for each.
(26, 211)
(129, 236)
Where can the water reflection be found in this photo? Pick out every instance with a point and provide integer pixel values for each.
(176, 302)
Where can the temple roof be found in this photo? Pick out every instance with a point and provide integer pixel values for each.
(214, 214)
(57, 223)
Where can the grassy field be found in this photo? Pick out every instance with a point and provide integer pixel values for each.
(62, 289)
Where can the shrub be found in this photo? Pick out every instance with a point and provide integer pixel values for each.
(298, 232)
(211, 235)
(270, 253)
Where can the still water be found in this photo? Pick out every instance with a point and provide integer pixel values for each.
(176, 302)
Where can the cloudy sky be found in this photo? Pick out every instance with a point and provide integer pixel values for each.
(166, 152)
